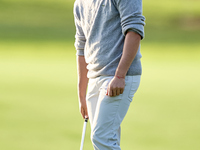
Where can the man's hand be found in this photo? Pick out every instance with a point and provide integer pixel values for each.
(115, 87)
(83, 108)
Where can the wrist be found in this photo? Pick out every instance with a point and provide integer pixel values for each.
(120, 73)
(82, 100)
(81, 95)
(120, 77)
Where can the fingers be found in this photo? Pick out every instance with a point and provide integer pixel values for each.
(118, 92)
(109, 92)
(115, 87)
(121, 91)
(114, 91)
(84, 113)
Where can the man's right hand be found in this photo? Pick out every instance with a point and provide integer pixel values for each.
(83, 109)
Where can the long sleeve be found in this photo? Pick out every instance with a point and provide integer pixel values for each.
(79, 37)
(131, 15)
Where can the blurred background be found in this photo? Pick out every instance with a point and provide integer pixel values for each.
(38, 97)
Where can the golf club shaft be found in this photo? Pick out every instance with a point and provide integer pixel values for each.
(83, 134)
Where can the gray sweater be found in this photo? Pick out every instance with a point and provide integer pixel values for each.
(101, 26)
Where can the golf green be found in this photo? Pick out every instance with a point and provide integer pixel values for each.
(38, 97)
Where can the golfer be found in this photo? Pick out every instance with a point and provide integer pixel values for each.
(108, 34)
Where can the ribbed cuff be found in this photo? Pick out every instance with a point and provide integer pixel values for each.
(139, 29)
(80, 52)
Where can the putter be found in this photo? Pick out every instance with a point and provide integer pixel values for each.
(83, 133)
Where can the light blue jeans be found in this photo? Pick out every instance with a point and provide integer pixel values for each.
(106, 113)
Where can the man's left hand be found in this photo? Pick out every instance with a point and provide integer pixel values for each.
(115, 87)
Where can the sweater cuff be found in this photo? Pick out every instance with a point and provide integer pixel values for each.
(80, 52)
(139, 29)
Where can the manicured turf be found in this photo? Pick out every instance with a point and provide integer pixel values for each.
(39, 107)
(38, 97)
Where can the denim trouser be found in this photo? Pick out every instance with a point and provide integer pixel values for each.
(106, 113)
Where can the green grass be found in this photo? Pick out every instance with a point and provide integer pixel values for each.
(36, 20)
(39, 106)
(165, 112)
(38, 97)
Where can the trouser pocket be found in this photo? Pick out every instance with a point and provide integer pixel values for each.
(132, 83)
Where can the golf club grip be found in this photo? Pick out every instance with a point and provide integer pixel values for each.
(83, 133)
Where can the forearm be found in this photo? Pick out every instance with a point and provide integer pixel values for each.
(82, 77)
(131, 45)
